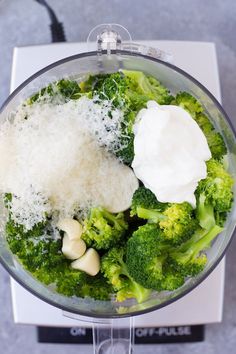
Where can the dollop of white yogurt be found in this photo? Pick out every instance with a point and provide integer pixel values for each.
(170, 152)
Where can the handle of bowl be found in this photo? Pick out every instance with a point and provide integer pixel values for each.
(114, 336)
(110, 336)
(109, 37)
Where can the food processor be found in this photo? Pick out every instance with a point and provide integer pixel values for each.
(115, 50)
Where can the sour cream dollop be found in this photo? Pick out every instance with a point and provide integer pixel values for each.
(170, 151)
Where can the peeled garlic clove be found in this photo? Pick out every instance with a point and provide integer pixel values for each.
(73, 249)
(72, 227)
(88, 263)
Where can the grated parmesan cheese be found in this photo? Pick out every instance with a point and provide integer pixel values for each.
(54, 160)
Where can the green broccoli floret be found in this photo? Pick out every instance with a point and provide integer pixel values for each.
(129, 91)
(107, 87)
(214, 195)
(29, 246)
(189, 103)
(188, 259)
(68, 89)
(115, 270)
(41, 255)
(143, 88)
(102, 229)
(214, 139)
(177, 221)
(216, 144)
(44, 92)
(146, 256)
(143, 198)
(126, 152)
(80, 284)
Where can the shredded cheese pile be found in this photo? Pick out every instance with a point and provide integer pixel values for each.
(51, 158)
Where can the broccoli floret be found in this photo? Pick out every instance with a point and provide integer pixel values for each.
(107, 87)
(144, 256)
(204, 123)
(171, 279)
(129, 91)
(44, 92)
(68, 89)
(115, 270)
(188, 259)
(41, 255)
(216, 144)
(146, 259)
(80, 284)
(157, 265)
(102, 230)
(145, 199)
(146, 88)
(177, 221)
(126, 152)
(188, 102)
(214, 195)
(214, 139)
(29, 246)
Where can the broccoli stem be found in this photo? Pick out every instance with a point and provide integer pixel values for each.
(150, 214)
(194, 248)
(100, 212)
(141, 293)
(205, 213)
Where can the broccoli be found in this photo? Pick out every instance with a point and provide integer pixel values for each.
(146, 257)
(158, 265)
(126, 152)
(29, 246)
(216, 144)
(177, 221)
(115, 270)
(214, 195)
(128, 91)
(107, 87)
(143, 88)
(126, 88)
(189, 103)
(214, 139)
(143, 198)
(102, 230)
(188, 259)
(68, 89)
(41, 255)
(80, 284)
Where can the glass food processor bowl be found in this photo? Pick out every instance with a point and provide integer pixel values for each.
(108, 60)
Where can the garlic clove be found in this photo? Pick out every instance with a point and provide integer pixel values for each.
(72, 227)
(73, 249)
(88, 263)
